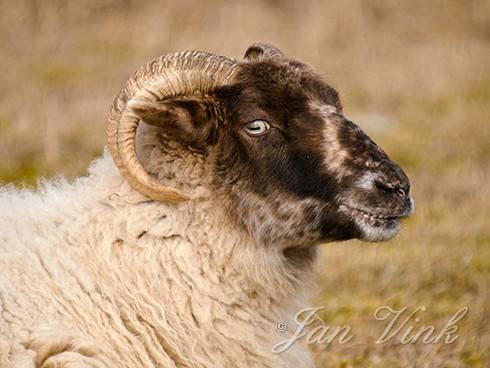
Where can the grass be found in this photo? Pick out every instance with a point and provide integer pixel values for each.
(418, 69)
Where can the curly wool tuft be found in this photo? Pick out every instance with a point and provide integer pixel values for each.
(93, 274)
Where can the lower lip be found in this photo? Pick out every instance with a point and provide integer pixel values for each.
(374, 220)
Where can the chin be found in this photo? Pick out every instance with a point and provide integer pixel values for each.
(379, 233)
(374, 228)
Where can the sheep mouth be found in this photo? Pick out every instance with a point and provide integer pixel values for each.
(374, 227)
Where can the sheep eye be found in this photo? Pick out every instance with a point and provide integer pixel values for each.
(257, 127)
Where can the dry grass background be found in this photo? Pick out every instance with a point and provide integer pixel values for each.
(414, 74)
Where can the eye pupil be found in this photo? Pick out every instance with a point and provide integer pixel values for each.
(257, 127)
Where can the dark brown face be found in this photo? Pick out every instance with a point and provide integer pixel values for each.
(299, 171)
(289, 166)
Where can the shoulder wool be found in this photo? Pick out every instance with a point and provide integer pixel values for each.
(93, 274)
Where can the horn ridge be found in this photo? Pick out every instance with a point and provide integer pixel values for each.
(167, 76)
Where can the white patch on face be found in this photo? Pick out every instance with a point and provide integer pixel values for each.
(325, 109)
(366, 181)
(375, 234)
(334, 153)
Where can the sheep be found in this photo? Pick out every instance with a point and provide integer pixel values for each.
(198, 229)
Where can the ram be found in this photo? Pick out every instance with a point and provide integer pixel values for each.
(184, 245)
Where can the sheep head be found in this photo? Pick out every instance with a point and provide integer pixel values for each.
(286, 162)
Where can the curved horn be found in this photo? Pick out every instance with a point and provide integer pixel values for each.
(165, 77)
(262, 50)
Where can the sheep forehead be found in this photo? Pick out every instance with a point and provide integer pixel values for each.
(280, 81)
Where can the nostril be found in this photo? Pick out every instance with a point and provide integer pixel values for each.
(400, 191)
(392, 188)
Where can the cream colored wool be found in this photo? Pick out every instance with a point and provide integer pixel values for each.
(93, 274)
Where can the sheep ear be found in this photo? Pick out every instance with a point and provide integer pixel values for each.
(191, 121)
(263, 51)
